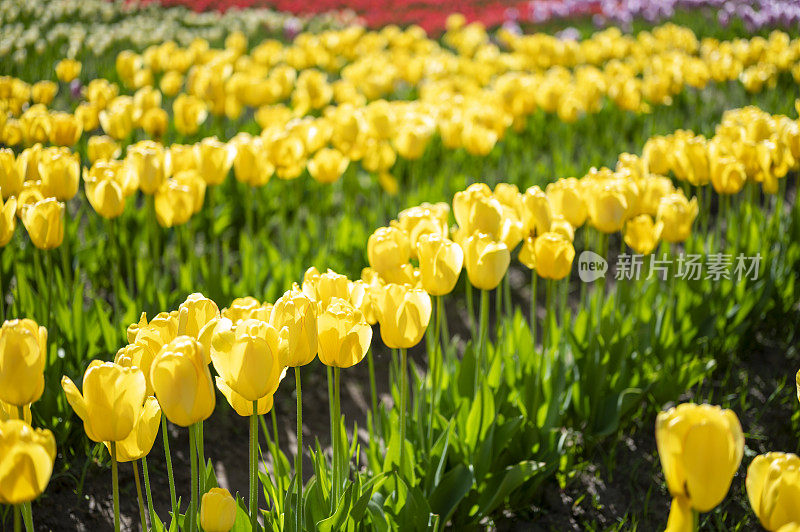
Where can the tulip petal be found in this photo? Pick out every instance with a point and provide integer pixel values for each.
(707, 456)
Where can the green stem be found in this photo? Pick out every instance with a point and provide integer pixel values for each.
(480, 360)
(200, 461)
(147, 492)
(139, 498)
(276, 449)
(695, 520)
(115, 484)
(373, 388)
(534, 281)
(155, 256)
(193, 471)
(331, 415)
(337, 449)
(17, 520)
(470, 307)
(168, 458)
(546, 336)
(254, 467)
(435, 364)
(298, 464)
(403, 402)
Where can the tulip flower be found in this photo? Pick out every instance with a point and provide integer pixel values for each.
(188, 112)
(65, 129)
(440, 263)
(476, 210)
(23, 352)
(26, 461)
(43, 92)
(404, 314)
(700, 447)
(486, 260)
(251, 165)
(773, 488)
(677, 214)
(214, 159)
(343, 334)
(117, 119)
(106, 197)
(67, 70)
(112, 400)
(327, 165)
(11, 179)
(174, 203)
(60, 172)
(294, 317)
(44, 221)
(388, 248)
(608, 208)
(243, 308)
(554, 255)
(653, 189)
(217, 511)
(147, 160)
(195, 313)
(182, 382)
(642, 234)
(140, 441)
(102, 147)
(8, 220)
(537, 211)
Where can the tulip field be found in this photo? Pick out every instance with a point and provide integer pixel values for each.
(415, 266)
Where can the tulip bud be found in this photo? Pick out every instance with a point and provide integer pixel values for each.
(194, 313)
(343, 334)
(677, 214)
(440, 263)
(642, 234)
(141, 438)
(773, 488)
(294, 316)
(217, 511)
(486, 260)
(182, 382)
(23, 351)
(44, 221)
(700, 447)
(26, 461)
(554, 255)
(112, 400)
(403, 312)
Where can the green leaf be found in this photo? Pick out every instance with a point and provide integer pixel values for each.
(455, 485)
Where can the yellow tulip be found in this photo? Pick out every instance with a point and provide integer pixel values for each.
(251, 165)
(486, 260)
(106, 197)
(9, 411)
(440, 263)
(11, 179)
(677, 214)
(188, 113)
(681, 517)
(154, 122)
(44, 221)
(728, 175)
(171, 83)
(214, 159)
(141, 438)
(35, 124)
(101, 92)
(112, 400)
(217, 510)
(242, 308)
(43, 92)
(477, 210)
(653, 189)
(326, 286)
(537, 211)
(197, 187)
(388, 248)
(181, 157)
(195, 313)
(23, 352)
(67, 70)
(11, 132)
(554, 255)
(60, 171)
(8, 220)
(182, 382)
(412, 139)
(65, 129)
(343, 334)
(403, 312)
(147, 159)
(700, 447)
(773, 488)
(608, 207)
(327, 165)
(88, 115)
(247, 357)
(26, 461)
(566, 198)
(423, 219)
(102, 147)
(294, 316)
(174, 203)
(117, 118)
(242, 406)
(642, 234)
